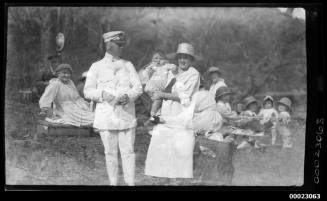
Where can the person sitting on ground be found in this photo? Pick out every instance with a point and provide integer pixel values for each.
(202, 118)
(251, 106)
(284, 119)
(230, 117)
(213, 151)
(269, 117)
(70, 107)
(223, 99)
(216, 81)
(162, 72)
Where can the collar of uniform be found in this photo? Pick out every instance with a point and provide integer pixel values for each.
(110, 57)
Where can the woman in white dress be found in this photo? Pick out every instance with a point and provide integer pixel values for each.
(170, 153)
(70, 107)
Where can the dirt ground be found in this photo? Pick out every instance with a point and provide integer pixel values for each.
(80, 160)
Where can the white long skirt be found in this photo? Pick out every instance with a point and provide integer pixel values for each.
(170, 153)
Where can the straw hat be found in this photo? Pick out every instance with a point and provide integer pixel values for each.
(184, 48)
(248, 100)
(286, 102)
(222, 91)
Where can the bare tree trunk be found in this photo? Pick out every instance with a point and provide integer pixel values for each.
(45, 36)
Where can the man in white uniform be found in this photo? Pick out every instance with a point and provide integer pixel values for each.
(114, 84)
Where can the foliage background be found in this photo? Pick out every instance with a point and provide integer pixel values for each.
(259, 49)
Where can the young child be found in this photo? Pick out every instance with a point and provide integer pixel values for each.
(251, 107)
(162, 71)
(223, 98)
(284, 118)
(215, 79)
(269, 116)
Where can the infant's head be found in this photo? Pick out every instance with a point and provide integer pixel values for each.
(157, 57)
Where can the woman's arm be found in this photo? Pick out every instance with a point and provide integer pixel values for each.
(170, 96)
(49, 94)
(165, 96)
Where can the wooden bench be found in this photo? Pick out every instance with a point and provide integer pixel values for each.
(54, 129)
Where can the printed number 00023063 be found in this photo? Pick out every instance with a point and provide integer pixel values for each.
(304, 196)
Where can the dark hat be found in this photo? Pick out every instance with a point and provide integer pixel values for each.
(248, 100)
(214, 69)
(61, 67)
(286, 102)
(222, 91)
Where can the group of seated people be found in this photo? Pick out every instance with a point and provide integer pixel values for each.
(245, 121)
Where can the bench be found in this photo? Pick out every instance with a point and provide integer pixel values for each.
(54, 129)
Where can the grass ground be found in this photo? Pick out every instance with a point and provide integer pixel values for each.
(80, 160)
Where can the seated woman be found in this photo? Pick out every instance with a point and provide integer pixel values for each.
(70, 108)
(171, 158)
(213, 152)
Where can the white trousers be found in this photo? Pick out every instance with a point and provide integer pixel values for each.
(124, 139)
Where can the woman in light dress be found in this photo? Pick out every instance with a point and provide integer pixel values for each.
(69, 107)
(170, 153)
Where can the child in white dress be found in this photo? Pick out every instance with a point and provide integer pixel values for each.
(284, 119)
(269, 117)
(158, 81)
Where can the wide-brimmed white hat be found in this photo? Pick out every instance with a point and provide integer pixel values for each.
(184, 48)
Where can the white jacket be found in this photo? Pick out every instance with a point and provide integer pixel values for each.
(117, 77)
